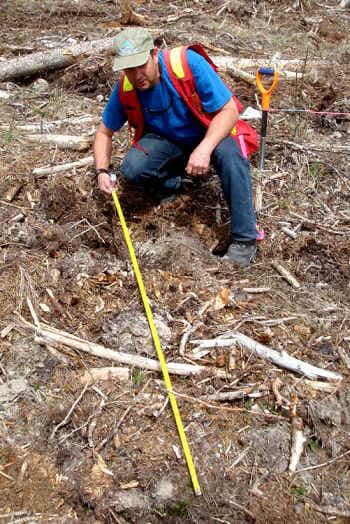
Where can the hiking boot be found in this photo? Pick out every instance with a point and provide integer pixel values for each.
(169, 191)
(243, 253)
(163, 196)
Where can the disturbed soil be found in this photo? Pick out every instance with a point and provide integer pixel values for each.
(108, 450)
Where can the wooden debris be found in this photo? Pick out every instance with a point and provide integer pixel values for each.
(324, 464)
(286, 274)
(282, 359)
(255, 290)
(186, 334)
(276, 384)
(235, 72)
(289, 232)
(330, 510)
(51, 170)
(321, 386)
(20, 217)
(41, 127)
(282, 65)
(50, 334)
(298, 437)
(71, 142)
(13, 191)
(234, 395)
(7, 330)
(67, 417)
(258, 200)
(35, 63)
(344, 357)
(129, 17)
(106, 373)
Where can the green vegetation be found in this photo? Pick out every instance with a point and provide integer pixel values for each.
(138, 377)
(177, 509)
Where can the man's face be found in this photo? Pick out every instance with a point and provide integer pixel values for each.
(145, 76)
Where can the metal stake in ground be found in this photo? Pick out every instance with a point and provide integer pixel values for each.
(157, 345)
(265, 105)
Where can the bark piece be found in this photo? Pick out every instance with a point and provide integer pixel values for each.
(13, 191)
(72, 142)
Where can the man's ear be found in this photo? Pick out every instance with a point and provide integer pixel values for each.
(155, 53)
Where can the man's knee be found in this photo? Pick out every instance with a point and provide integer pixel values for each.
(133, 165)
(227, 154)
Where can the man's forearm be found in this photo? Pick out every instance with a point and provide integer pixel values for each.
(220, 126)
(102, 150)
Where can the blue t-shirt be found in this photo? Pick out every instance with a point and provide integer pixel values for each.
(165, 113)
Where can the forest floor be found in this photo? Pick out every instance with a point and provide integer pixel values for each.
(109, 451)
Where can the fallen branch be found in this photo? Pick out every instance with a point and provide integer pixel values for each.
(282, 359)
(332, 148)
(286, 274)
(50, 334)
(107, 373)
(321, 386)
(234, 395)
(41, 127)
(344, 357)
(324, 464)
(330, 510)
(227, 63)
(67, 417)
(72, 142)
(298, 437)
(42, 171)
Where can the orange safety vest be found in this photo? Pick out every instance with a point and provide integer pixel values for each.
(182, 79)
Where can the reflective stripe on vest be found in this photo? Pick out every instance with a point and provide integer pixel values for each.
(176, 62)
(127, 85)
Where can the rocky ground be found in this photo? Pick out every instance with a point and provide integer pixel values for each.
(108, 450)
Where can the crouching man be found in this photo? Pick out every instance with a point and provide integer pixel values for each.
(184, 118)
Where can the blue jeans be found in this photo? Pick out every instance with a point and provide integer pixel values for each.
(156, 162)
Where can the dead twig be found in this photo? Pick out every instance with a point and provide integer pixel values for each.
(324, 464)
(298, 437)
(115, 430)
(330, 510)
(67, 417)
(285, 274)
(42, 171)
(282, 359)
(242, 508)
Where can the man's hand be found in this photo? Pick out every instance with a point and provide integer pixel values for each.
(105, 184)
(198, 163)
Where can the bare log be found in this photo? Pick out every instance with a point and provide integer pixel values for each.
(42, 171)
(31, 64)
(282, 360)
(35, 63)
(233, 63)
(41, 127)
(71, 142)
(50, 334)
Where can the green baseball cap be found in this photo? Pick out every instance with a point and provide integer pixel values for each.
(132, 47)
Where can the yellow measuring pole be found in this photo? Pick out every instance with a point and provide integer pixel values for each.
(157, 345)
